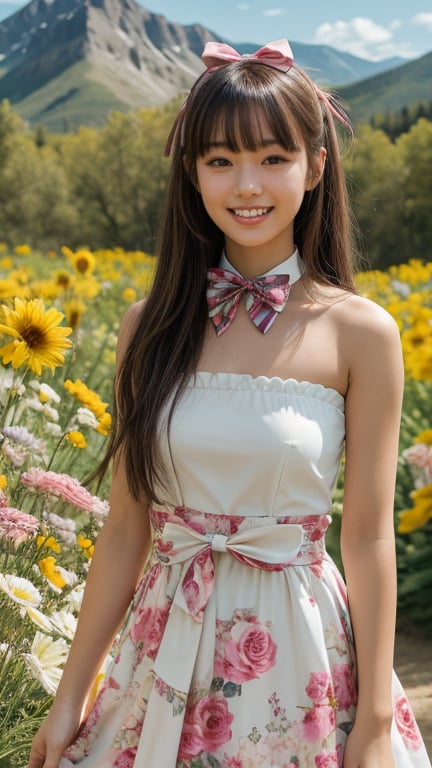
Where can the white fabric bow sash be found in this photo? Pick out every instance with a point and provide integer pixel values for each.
(270, 547)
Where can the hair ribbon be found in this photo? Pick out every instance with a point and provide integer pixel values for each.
(277, 54)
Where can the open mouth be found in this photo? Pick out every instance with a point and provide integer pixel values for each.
(251, 213)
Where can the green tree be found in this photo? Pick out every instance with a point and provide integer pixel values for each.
(375, 173)
(415, 149)
(118, 176)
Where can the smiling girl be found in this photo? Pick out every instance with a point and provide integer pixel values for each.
(240, 381)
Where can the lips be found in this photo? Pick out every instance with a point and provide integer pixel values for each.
(250, 213)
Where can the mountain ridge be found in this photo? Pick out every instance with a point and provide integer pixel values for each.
(82, 58)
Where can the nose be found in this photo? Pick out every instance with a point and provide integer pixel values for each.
(248, 183)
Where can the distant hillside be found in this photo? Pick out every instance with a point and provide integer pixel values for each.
(64, 63)
(329, 66)
(400, 87)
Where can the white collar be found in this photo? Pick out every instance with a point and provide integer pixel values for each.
(292, 266)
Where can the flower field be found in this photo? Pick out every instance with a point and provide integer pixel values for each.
(59, 316)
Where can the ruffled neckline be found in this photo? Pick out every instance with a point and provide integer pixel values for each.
(245, 381)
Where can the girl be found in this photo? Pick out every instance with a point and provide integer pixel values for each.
(239, 381)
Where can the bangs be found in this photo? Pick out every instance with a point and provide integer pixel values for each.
(242, 116)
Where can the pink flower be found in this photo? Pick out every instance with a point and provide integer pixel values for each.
(406, 723)
(344, 686)
(327, 760)
(318, 723)
(126, 758)
(206, 727)
(249, 653)
(62, 485)
(191, 743)
(319, 687)
(420, 455)
(16, 526)
(148, 629)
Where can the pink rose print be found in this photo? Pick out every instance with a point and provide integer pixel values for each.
(327, 760)
(406, 724)
(318, 723)
(126, 758)
(206, 727)
(249, 653)
(319, 687)
(344, 686)
(149, 628)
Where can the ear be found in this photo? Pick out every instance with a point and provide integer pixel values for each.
(316, 170)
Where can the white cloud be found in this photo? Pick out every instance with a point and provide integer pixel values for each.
(243, 7)
(364, 38)
(274, 12)
(422, 20)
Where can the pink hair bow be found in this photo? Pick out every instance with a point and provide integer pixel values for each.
(277, 54)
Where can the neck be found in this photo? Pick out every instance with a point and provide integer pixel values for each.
(251, 262)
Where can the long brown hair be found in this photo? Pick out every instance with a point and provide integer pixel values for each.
(239, 102)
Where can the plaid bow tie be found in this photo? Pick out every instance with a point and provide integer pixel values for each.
(265, 297)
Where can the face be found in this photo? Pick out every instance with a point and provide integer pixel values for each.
(254, 196)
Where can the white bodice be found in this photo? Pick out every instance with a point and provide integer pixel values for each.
(253, 446)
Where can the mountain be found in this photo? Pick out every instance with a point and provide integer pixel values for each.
(69, 62)
(407, 84)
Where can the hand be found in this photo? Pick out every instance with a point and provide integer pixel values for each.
(54, 735)
(365, 749)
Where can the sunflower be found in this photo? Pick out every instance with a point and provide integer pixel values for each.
(83, 261)
(38, 339)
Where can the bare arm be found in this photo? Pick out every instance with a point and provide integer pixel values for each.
(373, 407)
(121, 551)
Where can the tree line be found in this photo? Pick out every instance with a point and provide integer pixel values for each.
(103, 187)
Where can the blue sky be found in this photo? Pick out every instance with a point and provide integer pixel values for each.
(370, 29)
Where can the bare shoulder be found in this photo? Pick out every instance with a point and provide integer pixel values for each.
(361, 318)
(127, 327)
(369, 341)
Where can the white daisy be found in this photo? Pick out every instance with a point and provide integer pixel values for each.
(74, 598)
(46, 391)
(64, 623)
(87, 418)
(40, 619)
(44, 661)
(22, 591)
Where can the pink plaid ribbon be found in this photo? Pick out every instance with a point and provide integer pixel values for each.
(265, 297)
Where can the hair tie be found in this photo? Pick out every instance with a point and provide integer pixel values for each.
(335, 109)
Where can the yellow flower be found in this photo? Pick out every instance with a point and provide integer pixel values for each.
(63, 279)
(82, 261)
(3, 482)
(424, 437)
(49, 542)
(74, 311)
(86, 396)
(414, 518)
(54, 575)
(22, 250)
(104, 424)
(38, 339)
(129, 295)
(86, 545)
(87, 287)
(76, 439)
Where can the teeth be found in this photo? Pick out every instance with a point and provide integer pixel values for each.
(250, 213)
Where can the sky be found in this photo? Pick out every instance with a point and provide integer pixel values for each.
(370, 29)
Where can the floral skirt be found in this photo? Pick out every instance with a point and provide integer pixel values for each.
(237, 652)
